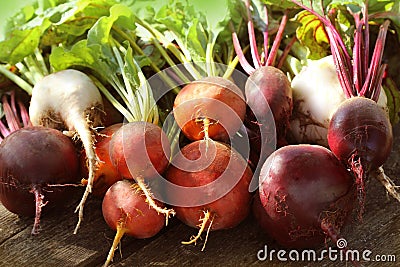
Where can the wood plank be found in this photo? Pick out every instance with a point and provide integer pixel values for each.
(56, 245)
(10, 224)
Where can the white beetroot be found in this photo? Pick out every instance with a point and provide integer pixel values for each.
(69, 100)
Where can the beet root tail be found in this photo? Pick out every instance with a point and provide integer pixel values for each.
(390, 186)
(39, 204)
(207, 218)
(360, 175)
(331, 231)
(117, 239)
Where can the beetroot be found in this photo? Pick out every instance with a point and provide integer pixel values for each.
(33, 160)
(140, 149)
(215, 181)
(125, 210)
(211, 107)
(306, 194)
(365, 135)
(268, 91)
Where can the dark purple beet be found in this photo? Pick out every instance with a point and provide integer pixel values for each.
(362, 129)
(269, 85)
(307, 195)
(360, 135)
(31, 160)
(267, 91)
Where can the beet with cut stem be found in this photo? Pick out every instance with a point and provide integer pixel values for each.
(32, 159)
(306, 194)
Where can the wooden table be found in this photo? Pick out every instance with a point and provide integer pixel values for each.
(56, 245)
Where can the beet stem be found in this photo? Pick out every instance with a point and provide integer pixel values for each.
(239, 52)
(24, 114)
(285, 52)
(117, 239)
(252, 37)
(39, 204)
(277, 40)
(149, 198)
(265, 32)
(202, 225)
(366, 39)
(11, 117)
(376, 60)
(3, 131)
(388, 183)
(357, 51)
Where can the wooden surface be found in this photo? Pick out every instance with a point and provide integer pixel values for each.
(56, 245)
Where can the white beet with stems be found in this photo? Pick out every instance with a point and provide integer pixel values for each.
(317, 93)
(78, 109)
(118, 67)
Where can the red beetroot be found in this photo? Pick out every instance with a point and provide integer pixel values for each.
(306, 194)
(267, 90)
(35, 163)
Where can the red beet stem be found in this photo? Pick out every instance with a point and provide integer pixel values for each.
(268, 58)
(374, 78)
(265, 32)
(11, 116)
(277, 40)
(242, 59)
(285, 52)
(252, 37)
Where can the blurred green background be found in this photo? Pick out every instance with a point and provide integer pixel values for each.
(9, 8)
